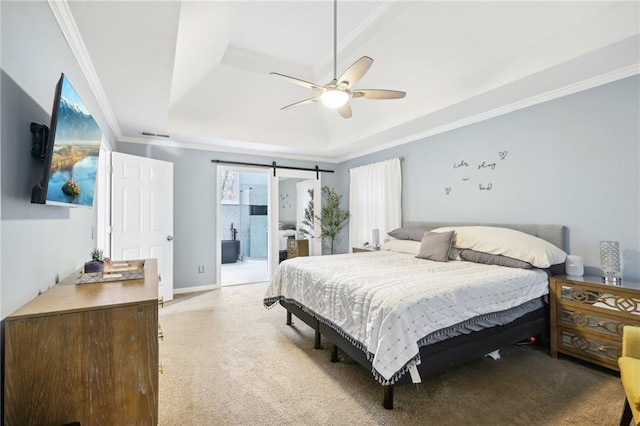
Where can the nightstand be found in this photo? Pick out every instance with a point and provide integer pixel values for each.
(361, 249)
(587, 317)
(297, 248)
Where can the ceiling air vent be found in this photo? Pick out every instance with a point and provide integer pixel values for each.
(159, 135)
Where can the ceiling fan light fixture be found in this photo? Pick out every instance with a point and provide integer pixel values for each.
(334, 98)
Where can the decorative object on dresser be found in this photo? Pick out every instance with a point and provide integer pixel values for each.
(297, 248)
(587, 317)
(574, 266)
(610, 261)
(85, 354)
(96, 264)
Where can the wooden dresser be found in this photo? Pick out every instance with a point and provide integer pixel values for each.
(297, 248)
(85, 353)
(587, 317)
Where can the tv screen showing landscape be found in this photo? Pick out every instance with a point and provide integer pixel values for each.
(76, 147)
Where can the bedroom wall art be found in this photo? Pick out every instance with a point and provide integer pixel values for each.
(470, 172)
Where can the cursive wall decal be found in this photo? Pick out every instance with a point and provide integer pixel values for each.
(485, 187)
(485, 165)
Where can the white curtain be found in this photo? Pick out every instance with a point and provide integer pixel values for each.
(375, 201)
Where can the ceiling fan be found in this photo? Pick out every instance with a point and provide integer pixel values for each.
(337, 92)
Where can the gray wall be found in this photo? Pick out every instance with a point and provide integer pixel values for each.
(39, 243)
(194, 217)
(572, 161)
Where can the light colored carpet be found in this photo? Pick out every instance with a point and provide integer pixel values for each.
(229, 361)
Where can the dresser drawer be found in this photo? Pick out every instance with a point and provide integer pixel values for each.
(596, 349)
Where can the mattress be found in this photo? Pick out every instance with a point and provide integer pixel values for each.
(388, 303)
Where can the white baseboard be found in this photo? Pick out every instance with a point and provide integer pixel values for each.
(195, 289)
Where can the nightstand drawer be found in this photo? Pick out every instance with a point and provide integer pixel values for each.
(587, 317)
(592, 321)
(590, 348)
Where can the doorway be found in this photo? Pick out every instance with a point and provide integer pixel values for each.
(243, 226)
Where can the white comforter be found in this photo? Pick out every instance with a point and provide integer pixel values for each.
(385, 302)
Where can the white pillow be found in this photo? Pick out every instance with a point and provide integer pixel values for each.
(402, 246)
(507, 242)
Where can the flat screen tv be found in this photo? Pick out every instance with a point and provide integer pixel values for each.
(71, 153)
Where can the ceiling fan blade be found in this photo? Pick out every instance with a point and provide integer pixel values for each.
(306, 101)
(355, 72)
(378, 94)
(299, 82)
(345, 111)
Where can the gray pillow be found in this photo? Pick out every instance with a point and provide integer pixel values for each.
(436, 246)
(409, 233)
(493, 259)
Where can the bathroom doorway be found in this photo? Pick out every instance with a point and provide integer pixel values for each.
(243, 225)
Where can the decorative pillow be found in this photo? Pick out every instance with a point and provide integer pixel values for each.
(435, 246)
(507, 242)
(409, 233)
(402, 246)
(493, 259)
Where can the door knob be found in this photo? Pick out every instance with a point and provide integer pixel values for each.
(169, 237)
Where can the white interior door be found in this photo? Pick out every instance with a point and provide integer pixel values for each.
(142, 214)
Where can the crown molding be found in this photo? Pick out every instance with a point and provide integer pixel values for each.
(239, 149)
(525, 103)
(67, 24)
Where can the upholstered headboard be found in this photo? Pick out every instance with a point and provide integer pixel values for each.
(555, 234)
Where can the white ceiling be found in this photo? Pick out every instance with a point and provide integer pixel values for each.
(199, 71)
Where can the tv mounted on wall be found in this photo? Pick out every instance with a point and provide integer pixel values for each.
(70, 149)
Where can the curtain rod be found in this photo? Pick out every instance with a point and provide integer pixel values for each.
(274, 166)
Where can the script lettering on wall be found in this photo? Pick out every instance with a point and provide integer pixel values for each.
(479, 171)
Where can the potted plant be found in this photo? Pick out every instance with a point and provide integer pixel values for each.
(333, 217)
(96, 264)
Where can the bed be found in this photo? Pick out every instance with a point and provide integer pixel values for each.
(437, 295)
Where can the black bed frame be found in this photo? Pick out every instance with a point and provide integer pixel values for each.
(438, 356)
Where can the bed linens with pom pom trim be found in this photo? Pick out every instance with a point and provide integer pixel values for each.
(385, 302)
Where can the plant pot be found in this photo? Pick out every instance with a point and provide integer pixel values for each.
(93, 266)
